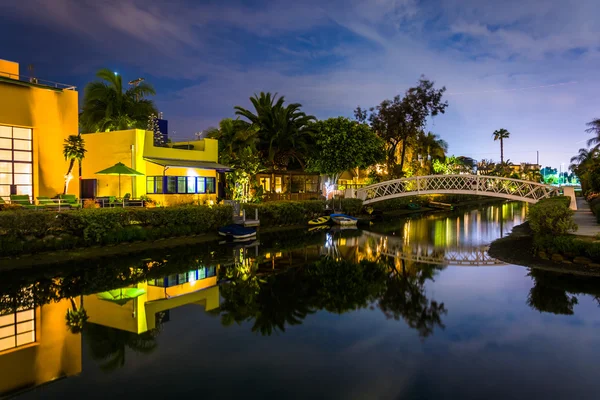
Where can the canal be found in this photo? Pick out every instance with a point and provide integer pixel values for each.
(411, 308)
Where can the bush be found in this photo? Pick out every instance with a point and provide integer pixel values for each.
(568, 245)
(552, 216)
(44, 230)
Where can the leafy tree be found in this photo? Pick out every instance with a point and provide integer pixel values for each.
(341, 145)
(284, 132)
(500, 135)
(485, 167)
(451, 165)
(238, 149)
(107, 107)
(73, 150)
(399, 121)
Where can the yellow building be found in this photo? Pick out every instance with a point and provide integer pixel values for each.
(36, 347)
(140, 315)
(35, 118)
(175, 173)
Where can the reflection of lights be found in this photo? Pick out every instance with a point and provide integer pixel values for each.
(328, 240)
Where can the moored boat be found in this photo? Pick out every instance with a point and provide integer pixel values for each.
(343, 219)
(319, 221)
(237, 232)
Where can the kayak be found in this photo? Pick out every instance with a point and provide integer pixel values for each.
(343, 219)
(319, 221)
(237, 232)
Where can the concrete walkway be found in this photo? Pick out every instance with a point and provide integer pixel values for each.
(585, 219)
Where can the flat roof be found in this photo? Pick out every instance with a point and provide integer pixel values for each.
(174, 162)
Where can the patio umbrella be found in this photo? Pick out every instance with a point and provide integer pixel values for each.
(119, 169)
(121, 296)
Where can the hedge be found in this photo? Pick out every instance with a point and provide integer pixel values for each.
(276, 213)
(34, 231)
(552, 216)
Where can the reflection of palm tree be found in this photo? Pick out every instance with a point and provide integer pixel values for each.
(76, 317)
(109, 344)
(549, 294)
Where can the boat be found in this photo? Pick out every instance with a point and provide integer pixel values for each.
(319, 221)
(237, 232)
(441, 206)
(413, 206)
(343, 219)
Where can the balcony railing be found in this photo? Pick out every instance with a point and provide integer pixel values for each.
(5, 76)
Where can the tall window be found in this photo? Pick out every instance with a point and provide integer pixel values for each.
(180, 185)
(16, 161)
(17, 329)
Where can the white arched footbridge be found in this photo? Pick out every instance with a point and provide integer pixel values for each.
(481, 185)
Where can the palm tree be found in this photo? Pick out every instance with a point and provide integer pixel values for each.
(73, 150)
(594, 127)
(430, 147)
(583, 157)
(500, 135)
(234, 136)
(106, 107)
(284, 131)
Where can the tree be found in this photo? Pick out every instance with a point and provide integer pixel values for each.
(237, 148)
(73, 150)
(500, 135)
(284, 132)
(430, 147)
(594, 127)
(485, 167)
(106, 107)
(342, 145)
(400, 120)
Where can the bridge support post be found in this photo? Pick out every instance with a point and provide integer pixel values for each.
(569, 191)
(418, 185)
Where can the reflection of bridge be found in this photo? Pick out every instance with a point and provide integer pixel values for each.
(494, 186)
(463, 256)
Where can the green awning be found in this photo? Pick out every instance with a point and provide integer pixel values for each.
(178, 163)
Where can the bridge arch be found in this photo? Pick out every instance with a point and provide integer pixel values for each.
(481, 185)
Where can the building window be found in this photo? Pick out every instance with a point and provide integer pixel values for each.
(265, 182)
(180, 279)
(16, 161)
(180, 185)
(278, 184)
(17, 329)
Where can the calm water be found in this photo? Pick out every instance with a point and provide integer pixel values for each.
(408, 309)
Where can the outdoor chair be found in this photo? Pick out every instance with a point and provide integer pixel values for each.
(47, 202)
(70, 200)
(23, 200)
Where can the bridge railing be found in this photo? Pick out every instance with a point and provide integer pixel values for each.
(517, 189)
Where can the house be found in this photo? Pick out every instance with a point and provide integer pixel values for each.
(36, 347)
(290, 185)
(35, 118)
(172, 174)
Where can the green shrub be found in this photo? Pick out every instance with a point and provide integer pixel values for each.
(568, 245)
(36, 231)
(274, 213)
(552, 217)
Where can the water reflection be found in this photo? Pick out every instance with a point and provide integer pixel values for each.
(122, 307)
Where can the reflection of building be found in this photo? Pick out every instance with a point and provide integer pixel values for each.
(35, 118)
(36, 347)
(179, 172)
(160, 295)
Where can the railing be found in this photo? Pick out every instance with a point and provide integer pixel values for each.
(513, 189)
(292, 196)
(37, 81)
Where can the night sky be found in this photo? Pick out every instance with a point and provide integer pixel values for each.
(528, 66)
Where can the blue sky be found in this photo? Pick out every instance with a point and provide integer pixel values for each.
(528, 66)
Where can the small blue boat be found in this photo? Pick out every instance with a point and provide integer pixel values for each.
(237, 231)
(343, 219)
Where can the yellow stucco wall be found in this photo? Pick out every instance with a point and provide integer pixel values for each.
(130, 147)
(53, 115)
(56, 352)
(9, 69)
